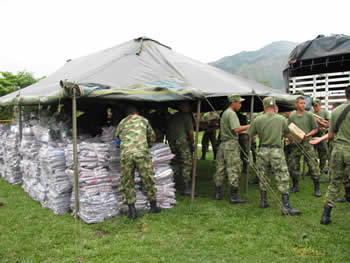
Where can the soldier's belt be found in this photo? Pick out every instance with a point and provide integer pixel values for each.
(270, 146)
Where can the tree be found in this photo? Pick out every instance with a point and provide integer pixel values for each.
(10, 82)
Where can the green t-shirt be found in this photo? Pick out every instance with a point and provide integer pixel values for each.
(325, 115)
(179, 126)
(210, 116)
(269, 127)
(306, 122)
(229, 121)
(343, 134)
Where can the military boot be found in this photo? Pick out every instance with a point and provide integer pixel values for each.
(317, 192)
(235, 199)
(188, 189)
(347, 193)
(326, 217)
(132, 211)
(287, 209)
(154, 208)
(264, 203)
(218, 195)
(341, 200)
(295, 185)
(203, 156)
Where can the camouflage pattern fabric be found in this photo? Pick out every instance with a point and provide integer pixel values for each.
(339, 169)
(142, 162)
(228, 163)
(294, 160)
(272, 159)
(136, 136)
(182, 162)
(253, 149)
(322, 152)
(209, 135)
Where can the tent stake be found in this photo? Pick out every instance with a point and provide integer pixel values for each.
(194, 173)
(249, 144)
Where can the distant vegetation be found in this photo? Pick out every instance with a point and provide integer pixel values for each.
(10, 82)
(263, 65)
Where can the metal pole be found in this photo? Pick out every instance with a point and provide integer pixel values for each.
(20, 123)
(194, 173)
(75, 154)
(249, 144)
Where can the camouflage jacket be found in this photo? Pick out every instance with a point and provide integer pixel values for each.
(135, 134)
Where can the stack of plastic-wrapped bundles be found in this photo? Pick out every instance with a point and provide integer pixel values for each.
(53, 165)
(11, 157)
(97, 201)
(3, 132)
(164, 175)
(29, 150)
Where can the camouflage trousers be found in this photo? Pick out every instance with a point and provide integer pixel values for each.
(228, 163)
(272, 159)
(142, 162)
(339, 172)
(322, 152)
(306, 149)
(182, 162)
(209, 136)
(253, 149)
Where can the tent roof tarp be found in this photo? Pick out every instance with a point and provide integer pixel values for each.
(139, 70)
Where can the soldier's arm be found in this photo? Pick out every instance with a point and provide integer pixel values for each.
(241, 129)
(313, 132)
(151, 136)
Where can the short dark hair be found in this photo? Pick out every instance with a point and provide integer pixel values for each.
(299, 98)
(347, 92)
(131, 109)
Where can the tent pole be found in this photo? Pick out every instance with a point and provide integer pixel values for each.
(75, 154)
(20, 123)
(249, 144)
(194, 173)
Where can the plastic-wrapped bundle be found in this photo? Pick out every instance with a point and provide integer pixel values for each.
(12, 172)
(97, 201)
(30, 168)
(108, 134)
(52, 163)
(164, 175)
(3, 133)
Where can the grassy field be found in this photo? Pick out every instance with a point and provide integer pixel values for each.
(208, 231)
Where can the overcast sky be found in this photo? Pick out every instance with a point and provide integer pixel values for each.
(40, 35)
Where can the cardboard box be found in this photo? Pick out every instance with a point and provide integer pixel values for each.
(297, 133)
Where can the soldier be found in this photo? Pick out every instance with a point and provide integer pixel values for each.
(306, 122)
(339, 168)
(228, 160)
(270, 127)
(211, 119)
(323, 124)
(136, 136)
(180, 137)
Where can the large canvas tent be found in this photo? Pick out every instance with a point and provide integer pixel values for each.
(141, 70)
(138, 70)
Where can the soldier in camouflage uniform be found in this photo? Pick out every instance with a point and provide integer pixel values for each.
(340, 158)
(180, 136)
(306, 122)
(270, 127)
(136, 136)
(211, 118)
(322, 147)
(228, 161)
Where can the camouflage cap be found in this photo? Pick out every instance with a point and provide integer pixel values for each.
(269, 102)
(315, 102)
(235, 98)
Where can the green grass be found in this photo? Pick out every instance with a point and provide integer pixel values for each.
(208, 231)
